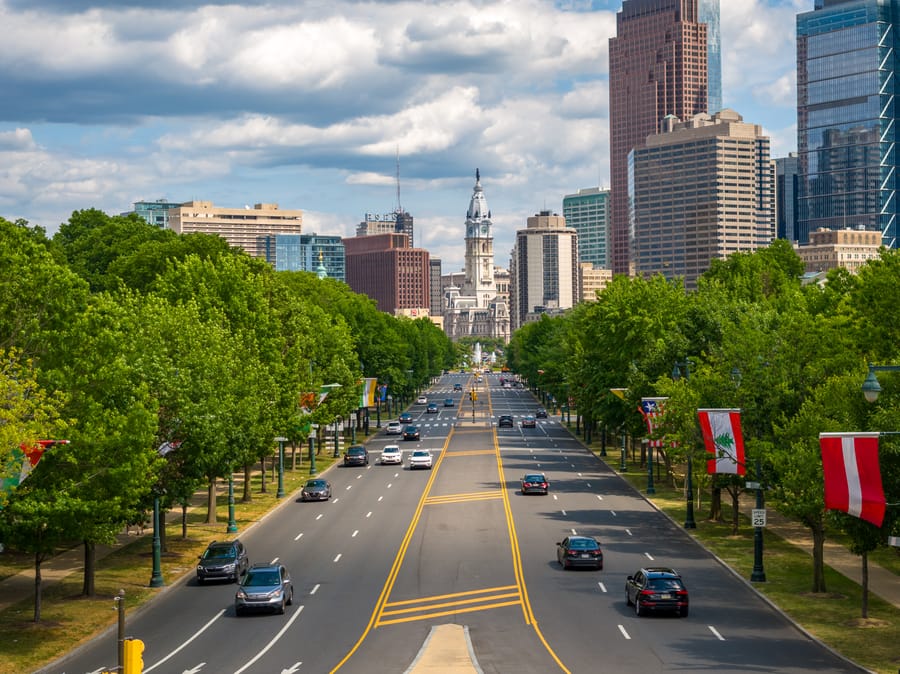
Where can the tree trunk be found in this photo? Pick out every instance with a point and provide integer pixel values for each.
(211, 501)
(38, 558)
(293, 456)
(262, 471)
(715, 505)
(248, 494)
(735, 492)
(865, 584)
(88, 588)
(162, 531)
(818, 536)
(184, 509)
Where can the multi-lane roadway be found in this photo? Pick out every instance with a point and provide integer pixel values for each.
(397, 552)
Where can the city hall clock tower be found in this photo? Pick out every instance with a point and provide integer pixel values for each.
(479, 248)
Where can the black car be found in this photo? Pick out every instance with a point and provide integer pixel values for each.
(657, 589)
(573, 551)
(411, 433)
(457, 386)
(505, 420)
(405, 418)
(223, 560)
(541, 414)
(316, 490)
(266, 587)
(535, 483)
(356, 455)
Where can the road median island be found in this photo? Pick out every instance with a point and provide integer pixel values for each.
(447, 650)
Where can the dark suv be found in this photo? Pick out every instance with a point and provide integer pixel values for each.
(505, 420)
(356, 456)
(656, 589)
(223, 560)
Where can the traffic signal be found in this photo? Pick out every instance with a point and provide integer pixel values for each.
(134, 661)
(473, 395)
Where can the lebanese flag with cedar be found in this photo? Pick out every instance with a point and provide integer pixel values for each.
(852, 476)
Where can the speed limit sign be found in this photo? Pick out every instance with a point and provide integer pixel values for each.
(758, 515)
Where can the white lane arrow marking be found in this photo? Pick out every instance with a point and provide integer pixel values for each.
(195, 669)
(293, 668)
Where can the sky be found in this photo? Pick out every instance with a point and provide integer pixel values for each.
(309, 104)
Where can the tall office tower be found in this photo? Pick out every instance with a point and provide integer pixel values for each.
(543, 269)
(403, 223)
(657, 67)
(240, 227)
(709, 14)
(304, 252)
(389, 271)
(847, 117)
(786, 203)
(701, 190)
(436, 302)
(587, 211)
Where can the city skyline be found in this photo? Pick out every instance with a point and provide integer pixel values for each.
(241, 102)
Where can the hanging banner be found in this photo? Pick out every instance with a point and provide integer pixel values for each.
(722, 436)
(367, 390)
(852, 475)
(21, 462)
(652, 411)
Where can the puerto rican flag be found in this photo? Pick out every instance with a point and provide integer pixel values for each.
(852, 475)
(652, 410)
(723, 438)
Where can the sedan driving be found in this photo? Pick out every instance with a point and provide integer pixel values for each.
(535, 483)
(316, 490)
(575, 551)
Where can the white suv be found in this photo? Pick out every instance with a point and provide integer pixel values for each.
(394, 428)
(391, 454)
(420, 458)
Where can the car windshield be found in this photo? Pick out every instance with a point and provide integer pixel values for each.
(218, 553)
(582, 544)
(355, 451)
(315, 484)
(534, 478)
(420, 452)
(262, 579)
(664, 584)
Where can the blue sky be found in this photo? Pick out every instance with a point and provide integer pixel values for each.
(307, 103)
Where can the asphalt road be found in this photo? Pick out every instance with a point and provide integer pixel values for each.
(396, 552)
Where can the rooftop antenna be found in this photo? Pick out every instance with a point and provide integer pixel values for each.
(399, 207)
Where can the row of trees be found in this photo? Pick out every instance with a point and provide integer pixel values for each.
(121, 337)
(792, 357)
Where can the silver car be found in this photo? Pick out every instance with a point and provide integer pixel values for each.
(265, 587)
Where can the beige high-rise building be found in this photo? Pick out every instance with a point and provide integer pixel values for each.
(543, 269)
(847, 248)
(244, 228)
(593, 280)
(700, 190)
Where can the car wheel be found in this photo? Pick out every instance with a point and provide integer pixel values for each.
(199, 580)
(637, 607)
(627, 598)
(683, 612)
(290, 600)
(281, 607)
(238, 612)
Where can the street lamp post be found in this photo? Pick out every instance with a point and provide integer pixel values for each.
(871, 388)
(232, 525)
(280, 440)
(689, 522)
(156, 577)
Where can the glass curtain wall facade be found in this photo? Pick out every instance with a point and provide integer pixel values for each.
(847, 117)
(304, 252)
(709, 14)
(587, 212)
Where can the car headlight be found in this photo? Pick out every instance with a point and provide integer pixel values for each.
(240, 595)
(229, 566)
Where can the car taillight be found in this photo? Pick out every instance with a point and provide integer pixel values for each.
(681, 593)
(647, 593)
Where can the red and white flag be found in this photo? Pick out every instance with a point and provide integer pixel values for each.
(652, 410)
(852, 476)
(723, 439)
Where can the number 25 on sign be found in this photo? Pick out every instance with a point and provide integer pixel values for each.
(758, 515)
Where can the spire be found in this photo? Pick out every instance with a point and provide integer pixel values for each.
(478, 209)
(321, 271)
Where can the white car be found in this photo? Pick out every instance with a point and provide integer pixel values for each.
(420, 458)
(422, 400)
(394, 428)
(391, 454)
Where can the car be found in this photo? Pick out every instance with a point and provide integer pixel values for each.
(657, 588)
(394, 428)
(421, 400)
(265, 587)
(405, 418)
(573, 551)
(528, 422)
(316, 489)
(391, 454)
(356, 455)
(411, 433)
(505, 420)
(431, 409)
(448, 402)
(541, 414)
(223, 560)
(535, 483)
(457, 386)
(420, 458)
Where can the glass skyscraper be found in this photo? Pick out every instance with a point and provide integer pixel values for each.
(304, 252)
(709, 14)
(587, 212)
(847, 117)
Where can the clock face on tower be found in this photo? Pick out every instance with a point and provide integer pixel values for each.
(471, 231)
(484, 229)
